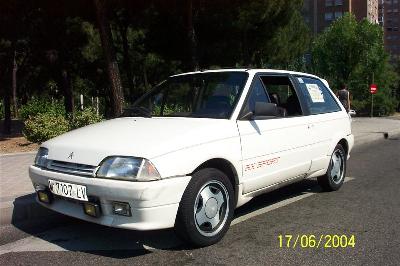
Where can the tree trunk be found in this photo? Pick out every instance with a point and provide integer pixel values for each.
(123, 25)
(14, 85)
(7, 111)
(109, 53)
(123, 30)
(191, 35)
(68, 93)
(127, 61)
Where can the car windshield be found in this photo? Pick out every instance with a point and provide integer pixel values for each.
(205, 95)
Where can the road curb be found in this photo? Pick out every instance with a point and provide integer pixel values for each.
(371, 137)
(17, 154)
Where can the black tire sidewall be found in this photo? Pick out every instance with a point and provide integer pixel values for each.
(332, 184)
(185, 223)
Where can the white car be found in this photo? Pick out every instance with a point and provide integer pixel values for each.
(194, 148)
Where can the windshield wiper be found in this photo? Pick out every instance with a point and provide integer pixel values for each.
(136, 110)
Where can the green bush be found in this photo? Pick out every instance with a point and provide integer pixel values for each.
(83, 118)
(45, 126)
(41, 106)
(383, 106)
(362, 107)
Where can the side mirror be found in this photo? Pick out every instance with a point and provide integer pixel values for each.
(352, 113)
(265, 110)
(262, 110)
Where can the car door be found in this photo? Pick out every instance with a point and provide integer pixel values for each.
(273, 150)
(325, 119)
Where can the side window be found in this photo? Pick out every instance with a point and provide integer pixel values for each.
(282, 93)
(257, 94)
(317, 96)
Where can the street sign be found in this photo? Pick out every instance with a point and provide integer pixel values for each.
(373, 88)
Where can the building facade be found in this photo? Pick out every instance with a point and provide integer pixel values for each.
(390, 21)
(319, 14)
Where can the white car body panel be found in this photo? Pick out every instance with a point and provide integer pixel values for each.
(264, 154)
(131, 137)
(266, 159)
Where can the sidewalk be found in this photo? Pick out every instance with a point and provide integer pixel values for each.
(367, 130)
(17, 201)
(17, 198)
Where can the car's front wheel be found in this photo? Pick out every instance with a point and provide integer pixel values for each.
(334, 177)
(206, 208)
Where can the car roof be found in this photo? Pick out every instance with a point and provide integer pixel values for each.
(249, 70)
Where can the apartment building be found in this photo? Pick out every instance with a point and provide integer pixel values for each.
(319, 14)
(390, 21)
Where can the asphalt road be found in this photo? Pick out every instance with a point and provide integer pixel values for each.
(367, 206)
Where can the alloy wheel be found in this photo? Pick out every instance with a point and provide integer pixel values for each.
(211, 208)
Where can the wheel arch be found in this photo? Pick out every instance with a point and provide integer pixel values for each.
(338, 140)
(224, 166)
(345, 145)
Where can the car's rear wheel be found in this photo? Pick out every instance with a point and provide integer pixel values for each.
(206, 208)
(334, 177)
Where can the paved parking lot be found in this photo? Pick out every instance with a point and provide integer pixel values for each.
(366, 207)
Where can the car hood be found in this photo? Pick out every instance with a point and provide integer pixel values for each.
(139, 137)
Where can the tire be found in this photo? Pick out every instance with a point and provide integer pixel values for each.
(334, 177)
(206, 208)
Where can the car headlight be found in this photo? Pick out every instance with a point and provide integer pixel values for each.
(128, 168)
(41, 157)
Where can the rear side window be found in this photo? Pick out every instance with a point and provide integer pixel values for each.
(317, 97)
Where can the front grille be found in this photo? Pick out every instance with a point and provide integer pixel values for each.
(71, 168)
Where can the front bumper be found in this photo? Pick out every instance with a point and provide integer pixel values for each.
(154, 205)
(350, 143)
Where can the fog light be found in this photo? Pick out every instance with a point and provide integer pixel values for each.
(91, 209)
(38, 187)
(122, 208)
(44, 196)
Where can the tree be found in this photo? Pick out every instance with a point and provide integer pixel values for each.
(336, 51)
(228, 33)
(272, 32)
(289, 44)
(122, 20)
(14, 84)
(60, 53)
(191, 37)
(8, 73)
(396, 64)
(352, 53)
(6, 104)
(109, 53)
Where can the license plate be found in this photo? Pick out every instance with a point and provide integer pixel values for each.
(68, 190)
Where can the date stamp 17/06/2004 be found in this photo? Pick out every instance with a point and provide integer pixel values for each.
(316, 241)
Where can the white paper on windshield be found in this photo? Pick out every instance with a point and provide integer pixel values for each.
(300, 80)
(315, 93)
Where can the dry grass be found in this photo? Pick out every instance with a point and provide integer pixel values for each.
(16, 144)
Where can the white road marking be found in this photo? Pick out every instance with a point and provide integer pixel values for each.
(30, 243)
(277, 205)
(87, 237)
